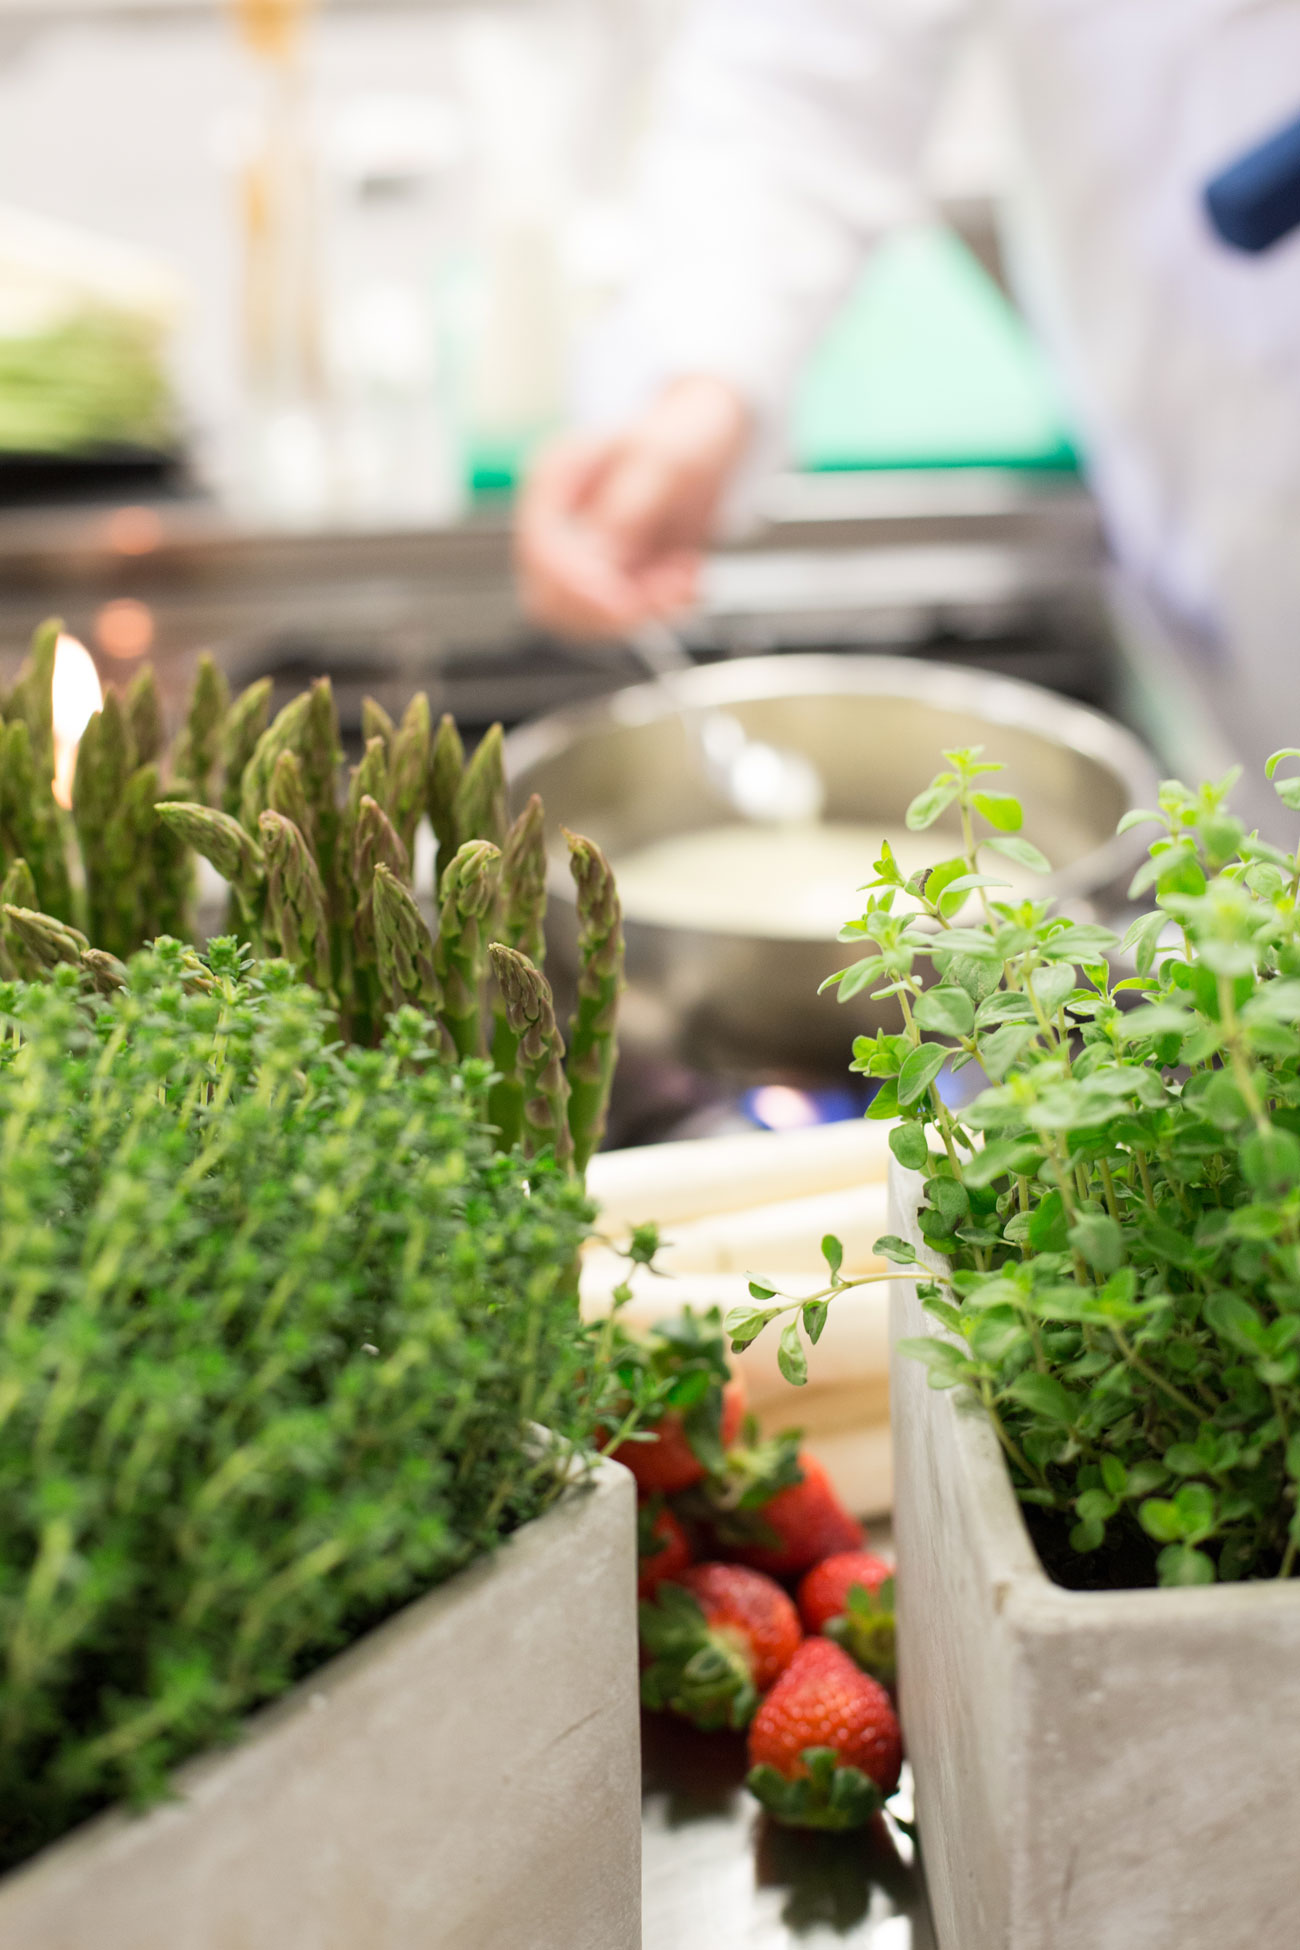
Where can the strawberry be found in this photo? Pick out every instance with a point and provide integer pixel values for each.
(797, 1527)
(850, 1597)
(716, 1637)
(824, 1747)
(663, 1547)
(668, 1462)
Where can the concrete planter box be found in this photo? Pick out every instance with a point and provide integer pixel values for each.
(467, 1777)
(1094, 1770)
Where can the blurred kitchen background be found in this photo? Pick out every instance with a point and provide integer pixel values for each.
(288, 292)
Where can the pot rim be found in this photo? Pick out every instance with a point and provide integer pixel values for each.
(999, 700)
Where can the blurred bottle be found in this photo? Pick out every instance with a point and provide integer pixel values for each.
(286, 463)
(517, 307)
(394, 161)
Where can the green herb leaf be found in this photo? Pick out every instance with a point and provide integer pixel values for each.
(945, 1011)
(920, 1071)
(790, 1357)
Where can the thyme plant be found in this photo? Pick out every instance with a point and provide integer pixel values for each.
(1112, 1225)
(279, 1322)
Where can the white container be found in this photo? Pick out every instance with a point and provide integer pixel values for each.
(1094, 1770)
(467, 1777)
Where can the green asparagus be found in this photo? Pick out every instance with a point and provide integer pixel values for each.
(376, 723)
(106, 972)
(481, 798)
(593, 1046)
(198, 753)
(48, 941)
(468, 895)
(241, 731)
(31, 824)
(145, 715)
(296, 919)
(374, 842)
(31, 701)
(404, 945)
(541, 1052)
(409, 769)
(446, 770)
(522, 912)
(18, 890)
(222, 840)
(288, 796)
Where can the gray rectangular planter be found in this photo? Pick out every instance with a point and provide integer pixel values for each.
(467, 1777)
(1094, 1770)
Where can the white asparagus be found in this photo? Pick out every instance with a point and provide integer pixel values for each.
(854, 1345)
(697, 1176)
(778, 1239)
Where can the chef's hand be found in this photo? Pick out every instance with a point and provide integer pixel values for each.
(612, 527)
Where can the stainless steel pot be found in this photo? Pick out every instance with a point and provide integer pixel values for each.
(626, 772)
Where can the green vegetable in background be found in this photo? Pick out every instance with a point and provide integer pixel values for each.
(1117, 1262)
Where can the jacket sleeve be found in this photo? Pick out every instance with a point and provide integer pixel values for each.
(787, 137)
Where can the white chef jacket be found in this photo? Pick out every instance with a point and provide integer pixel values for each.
(789, 138)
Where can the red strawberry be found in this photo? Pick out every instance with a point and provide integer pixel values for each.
(799, 1526)
(668, 1463)
(850, 1597)
(824, 1747)
(717, 1637)
(662, 1546)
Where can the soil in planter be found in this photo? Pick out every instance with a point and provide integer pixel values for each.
(1124, 1562)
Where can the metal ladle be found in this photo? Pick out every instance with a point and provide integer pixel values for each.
(763, 783)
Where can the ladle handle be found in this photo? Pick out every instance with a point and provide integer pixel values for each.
(660, 649)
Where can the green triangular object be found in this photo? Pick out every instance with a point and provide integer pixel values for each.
(929, 365)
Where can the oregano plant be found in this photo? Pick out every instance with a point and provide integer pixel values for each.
(1111, 1225)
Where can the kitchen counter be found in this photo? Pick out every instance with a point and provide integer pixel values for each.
(719, 1875)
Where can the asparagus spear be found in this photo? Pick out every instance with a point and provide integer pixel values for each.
(288, 796)
(47, 940)
(19, 890)
(31, 701)
(446, 769)
(284, 733)
(405, 947)
(241, 730)
(373, 843)
(31, 825)
(106, 972)
(468, 894)
(295, 898)
(376, 723)
(321, 755)
(368, 780)
(541, 1052)
(223, 841)
(112, 805)
(172, 880)
(481, 798)
(145, 714)
(523, 909)
(593, 1045)
(409, 769)
(199, 748)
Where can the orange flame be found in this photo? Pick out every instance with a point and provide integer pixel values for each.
(77, 696)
